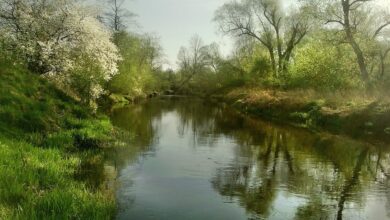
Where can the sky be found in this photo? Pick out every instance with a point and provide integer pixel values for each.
(176, 21)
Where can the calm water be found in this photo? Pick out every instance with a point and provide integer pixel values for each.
(194, 160)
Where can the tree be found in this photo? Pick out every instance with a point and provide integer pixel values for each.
(57, 38)
(117, 17)
(192, 60)
(357, 20)
(265, 21)
(247, 54)
(152, 51)
(142, 57)
(214, 56)
(324, 67)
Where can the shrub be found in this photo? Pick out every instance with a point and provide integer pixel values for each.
(322, 66)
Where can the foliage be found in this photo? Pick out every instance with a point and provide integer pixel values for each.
(34, 109)
(324, 67)
(136, 70)
(363, 26)
(283, 49)
(267, 22)
(58, 39)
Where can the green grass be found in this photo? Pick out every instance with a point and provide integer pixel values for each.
(45, 137)
(37, 183)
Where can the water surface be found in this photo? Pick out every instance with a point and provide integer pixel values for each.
(194, 160)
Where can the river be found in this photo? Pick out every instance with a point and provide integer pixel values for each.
(190, 159)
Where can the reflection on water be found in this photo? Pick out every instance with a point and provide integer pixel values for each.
(193, 160)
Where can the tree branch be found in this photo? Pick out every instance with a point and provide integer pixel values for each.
(358, 1)
(377, 32)
(334, 21)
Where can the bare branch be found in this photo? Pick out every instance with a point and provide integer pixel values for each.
(358, 1)
(377, 32)
(334, 21)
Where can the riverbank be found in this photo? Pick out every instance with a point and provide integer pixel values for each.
(352, 114)
(46, 138)
(116, 99)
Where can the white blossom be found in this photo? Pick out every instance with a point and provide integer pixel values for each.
(58, 37)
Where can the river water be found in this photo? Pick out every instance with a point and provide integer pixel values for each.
(194, 160)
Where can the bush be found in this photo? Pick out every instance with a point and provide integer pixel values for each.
(322, 66)
(135, 76)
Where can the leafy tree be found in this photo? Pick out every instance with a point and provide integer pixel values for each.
(322, 66)
(269, 24)
(362, 29)
(141, 59)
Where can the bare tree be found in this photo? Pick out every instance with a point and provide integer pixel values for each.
(213, 56)
(192, 60)
(153, 51)
(117, 17)
(265, 21)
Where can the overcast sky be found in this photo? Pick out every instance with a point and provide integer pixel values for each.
(176, 21)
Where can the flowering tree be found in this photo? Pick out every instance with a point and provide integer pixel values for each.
(61, 40)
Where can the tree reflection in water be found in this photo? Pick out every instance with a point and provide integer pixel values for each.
(334, 176)
(330, 171)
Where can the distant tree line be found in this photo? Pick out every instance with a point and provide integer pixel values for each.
(323, 45)
(90, 52)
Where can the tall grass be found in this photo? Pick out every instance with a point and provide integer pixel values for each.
(44, 137)
(37, 183)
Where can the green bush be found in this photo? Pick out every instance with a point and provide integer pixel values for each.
(136, 76)
(322, 66)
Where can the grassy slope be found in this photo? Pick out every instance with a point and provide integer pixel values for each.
(44, 136)
(352, 114)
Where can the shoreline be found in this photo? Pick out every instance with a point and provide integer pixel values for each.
(368, 121)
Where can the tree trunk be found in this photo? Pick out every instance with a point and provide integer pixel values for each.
(273, 61)
(280, 54)
(351, 40)
(382, 66)
(360, 59)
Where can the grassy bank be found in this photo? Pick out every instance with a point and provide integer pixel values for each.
(347, 113)
(45, 137)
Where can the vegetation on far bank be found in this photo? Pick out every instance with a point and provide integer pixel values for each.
(358, 115)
